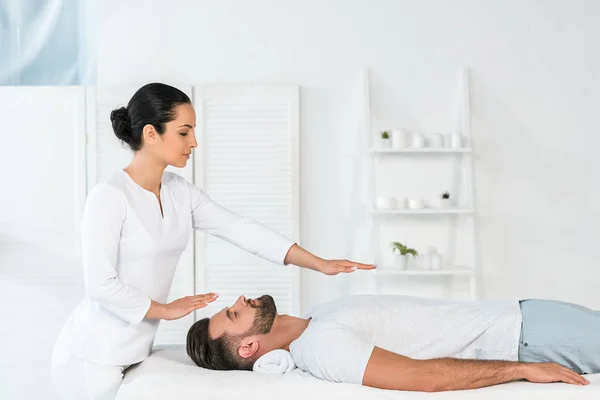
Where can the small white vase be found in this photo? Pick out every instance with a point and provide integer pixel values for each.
(418, 141)
(436, 261)
(400, 261)
(398, 138)
(401, 202)
(425, 261)
(456, 141)
(385, 143)
(436, 141)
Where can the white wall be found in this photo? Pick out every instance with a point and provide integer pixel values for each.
(535, 87)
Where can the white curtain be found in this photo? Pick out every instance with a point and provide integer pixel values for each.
(45, 42)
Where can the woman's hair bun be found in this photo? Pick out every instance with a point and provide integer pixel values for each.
(153, 104)
(122, 124)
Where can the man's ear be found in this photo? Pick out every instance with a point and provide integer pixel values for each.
(248, 346)
(150, 135)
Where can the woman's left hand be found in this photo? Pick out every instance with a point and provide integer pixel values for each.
(334, 267)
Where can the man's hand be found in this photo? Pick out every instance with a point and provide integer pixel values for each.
(551, 372)
(388, 370)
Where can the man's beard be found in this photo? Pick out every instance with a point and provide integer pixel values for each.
(265, 315)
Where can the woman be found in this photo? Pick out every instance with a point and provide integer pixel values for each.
(135, 227)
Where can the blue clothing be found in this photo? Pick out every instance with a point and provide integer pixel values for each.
(560, 332)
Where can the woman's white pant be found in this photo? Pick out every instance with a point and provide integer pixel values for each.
(75, 378)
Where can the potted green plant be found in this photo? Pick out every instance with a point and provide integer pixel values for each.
(445, 200)
(401, 253)
(385, 140)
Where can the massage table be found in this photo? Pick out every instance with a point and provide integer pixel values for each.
(169, 374)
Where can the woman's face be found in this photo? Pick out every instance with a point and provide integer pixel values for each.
(174, 146)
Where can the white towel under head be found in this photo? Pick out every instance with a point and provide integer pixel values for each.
(275, 362)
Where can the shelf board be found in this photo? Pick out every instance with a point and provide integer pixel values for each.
(442, 150)
(391, 270)
(422, 211)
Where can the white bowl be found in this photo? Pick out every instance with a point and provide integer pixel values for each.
(416, 204)
(385, 202)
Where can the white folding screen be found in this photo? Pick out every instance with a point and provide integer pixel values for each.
(248, 162)
(42, 158)
(105, 156)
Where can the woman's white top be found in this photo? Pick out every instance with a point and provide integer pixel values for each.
(130, 251)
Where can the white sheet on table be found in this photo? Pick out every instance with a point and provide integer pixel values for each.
(170, 374)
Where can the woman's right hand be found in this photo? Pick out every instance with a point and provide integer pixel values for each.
(184, 306)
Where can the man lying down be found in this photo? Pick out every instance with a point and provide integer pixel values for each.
(409, 343)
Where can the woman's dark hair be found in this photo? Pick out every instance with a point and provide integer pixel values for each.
(220, 353)
(152, 104)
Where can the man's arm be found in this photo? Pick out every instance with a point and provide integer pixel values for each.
(388, 370)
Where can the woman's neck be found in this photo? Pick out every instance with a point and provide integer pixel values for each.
(146, 171)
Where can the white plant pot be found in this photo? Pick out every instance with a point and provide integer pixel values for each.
(446, 203)
(400, 261)
(385, 143)
(399, 139)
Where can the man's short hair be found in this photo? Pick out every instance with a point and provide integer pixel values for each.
(220, 353)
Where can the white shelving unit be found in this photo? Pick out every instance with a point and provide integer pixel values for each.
(466, 179)
(423, 150)
(454, 270)
(423, 211)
